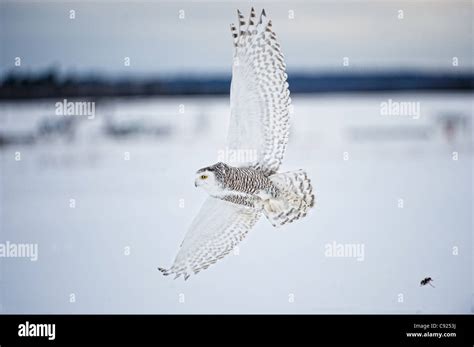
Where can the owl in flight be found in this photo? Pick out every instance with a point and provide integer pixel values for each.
(259, 122)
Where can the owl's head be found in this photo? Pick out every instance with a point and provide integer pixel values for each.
(211, 178)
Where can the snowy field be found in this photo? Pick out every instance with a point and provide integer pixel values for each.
(108, 200)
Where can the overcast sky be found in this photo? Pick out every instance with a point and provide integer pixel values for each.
(157, 41)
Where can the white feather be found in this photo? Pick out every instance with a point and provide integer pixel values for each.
(214, 232)
(260, 100)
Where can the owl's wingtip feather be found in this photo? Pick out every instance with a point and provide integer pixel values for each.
(164, 271)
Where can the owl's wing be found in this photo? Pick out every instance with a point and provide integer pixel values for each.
(259, 96)
(219, 226)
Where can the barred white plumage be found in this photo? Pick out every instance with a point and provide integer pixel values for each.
(240, 192)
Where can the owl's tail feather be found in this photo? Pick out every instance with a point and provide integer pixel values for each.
(294, 200)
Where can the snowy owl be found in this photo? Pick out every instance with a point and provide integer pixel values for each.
(259, 121)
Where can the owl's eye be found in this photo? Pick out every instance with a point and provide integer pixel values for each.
(203, 177)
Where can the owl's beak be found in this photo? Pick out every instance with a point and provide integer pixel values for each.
(196, 183)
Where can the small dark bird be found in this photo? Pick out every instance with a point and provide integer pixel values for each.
(425, 281)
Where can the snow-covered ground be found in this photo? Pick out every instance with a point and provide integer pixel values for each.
(387, 183)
